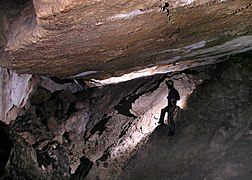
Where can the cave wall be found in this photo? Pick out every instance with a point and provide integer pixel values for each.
(66, 129)
(214, 132)
(62, 124)
(14, 92)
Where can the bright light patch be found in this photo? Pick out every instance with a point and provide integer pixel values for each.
(181, 103)
(128, 15)
(198, 45)
(84, 74)
(126, 77)
(148, 107)
(178, 3)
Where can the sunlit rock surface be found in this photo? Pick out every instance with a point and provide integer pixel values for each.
(100, 39)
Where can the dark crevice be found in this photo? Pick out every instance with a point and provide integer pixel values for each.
(190, 71)
(100, 126)
(61, 81)
(16, 3)
(125, 129)
(165, 8)
(56, 93)
(43, 156)
(105, 155)
(83, 169)
(72, 109)
(156, 84)
(13, 7)
(66, 136)
(5, 146)
(125, 104)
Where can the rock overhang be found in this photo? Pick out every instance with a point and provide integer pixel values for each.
(101, 39)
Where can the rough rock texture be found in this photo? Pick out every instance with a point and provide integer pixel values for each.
(14, 92)
(65, 133)
(109, 38)
(69, 131)
(214, 133)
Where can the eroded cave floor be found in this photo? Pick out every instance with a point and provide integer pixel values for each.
(192, 156)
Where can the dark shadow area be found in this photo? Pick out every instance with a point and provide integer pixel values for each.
(15, 3)
(125, 105)
(5, 146)
(105, 155)
(100, 126)
(83, 169)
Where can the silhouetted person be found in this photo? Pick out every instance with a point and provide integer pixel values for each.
(173, 97)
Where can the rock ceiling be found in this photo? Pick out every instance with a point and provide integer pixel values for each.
(108, 38)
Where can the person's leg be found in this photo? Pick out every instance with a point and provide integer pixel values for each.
(172, 124)
(162, 115)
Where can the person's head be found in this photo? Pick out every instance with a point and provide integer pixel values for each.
(169, 83)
